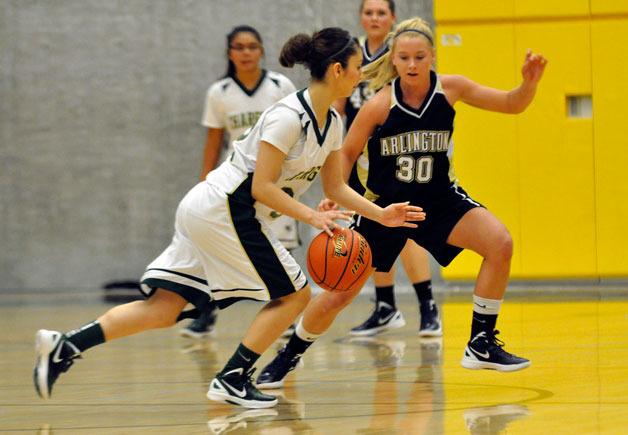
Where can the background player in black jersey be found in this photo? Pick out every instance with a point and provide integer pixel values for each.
(377, 18)
(407, 127)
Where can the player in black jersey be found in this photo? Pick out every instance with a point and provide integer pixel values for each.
(377, 18)
(408, 127)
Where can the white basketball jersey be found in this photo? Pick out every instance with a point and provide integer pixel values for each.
(229, 105)
(289, 125)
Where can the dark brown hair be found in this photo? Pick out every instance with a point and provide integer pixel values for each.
(320, 50)
(231, 71)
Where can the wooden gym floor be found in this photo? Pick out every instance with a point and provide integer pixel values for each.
(394, 383)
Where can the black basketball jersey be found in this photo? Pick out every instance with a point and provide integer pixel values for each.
(361, 94)
(409, 155)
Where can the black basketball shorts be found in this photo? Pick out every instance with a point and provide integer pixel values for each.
(442, 215)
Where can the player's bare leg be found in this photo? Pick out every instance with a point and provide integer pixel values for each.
(317, 317)
(234, 382)
(483, 233)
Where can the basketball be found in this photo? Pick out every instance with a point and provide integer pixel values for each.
(341, 262)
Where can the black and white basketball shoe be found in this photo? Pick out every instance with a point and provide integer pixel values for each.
(236, 387)
(272, 376)
(55, 355)
(203, 326)
(430, 324)
(383, 318)
(485, 351)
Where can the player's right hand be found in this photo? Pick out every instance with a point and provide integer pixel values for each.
(325, 220)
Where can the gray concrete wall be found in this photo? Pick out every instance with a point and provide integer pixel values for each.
(100, 138)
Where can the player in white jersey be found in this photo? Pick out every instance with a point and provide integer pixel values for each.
(222, 244)
(232, 105)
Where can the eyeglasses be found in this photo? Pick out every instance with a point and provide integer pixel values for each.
(242, 47)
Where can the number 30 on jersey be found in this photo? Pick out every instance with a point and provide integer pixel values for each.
(411, 169)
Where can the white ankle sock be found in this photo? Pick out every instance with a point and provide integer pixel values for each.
(303, 334)
(486, 306)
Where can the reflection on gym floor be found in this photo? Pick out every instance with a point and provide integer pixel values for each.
(390, 383)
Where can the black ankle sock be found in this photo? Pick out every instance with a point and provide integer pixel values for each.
(85, 337)
(483, 322)
(208, 313)
(211, 306)
(296, 345)
(242, 358)
(385, 294)
(423, 292)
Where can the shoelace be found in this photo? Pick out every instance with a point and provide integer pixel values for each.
(66, 363)
(291, 360)
(249, 375)
(496, 341)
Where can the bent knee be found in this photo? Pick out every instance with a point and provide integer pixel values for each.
(299, 298)
(503, 246)
(161, 316)
(338, 300)
(303, 296)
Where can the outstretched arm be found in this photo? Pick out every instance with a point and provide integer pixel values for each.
(336, 189)
(461, 88)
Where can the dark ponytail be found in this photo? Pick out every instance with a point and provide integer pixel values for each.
(320, 50)
(296, 50)
(231, 72)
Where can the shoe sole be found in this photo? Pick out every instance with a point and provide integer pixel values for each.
(478, 365)
(396, 323)
(271, 385)
(40, 374)
(226, 398)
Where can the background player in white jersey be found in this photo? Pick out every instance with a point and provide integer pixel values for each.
(377, 18)
(222, 243)
(407, 127)
(232, 105)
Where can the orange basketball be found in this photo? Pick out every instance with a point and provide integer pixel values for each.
(341, 262)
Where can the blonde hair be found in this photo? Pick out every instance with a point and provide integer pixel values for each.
(382, 71)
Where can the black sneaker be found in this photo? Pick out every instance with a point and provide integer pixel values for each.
(485, 351)
(52, 360)
(272, 376)
(430, 322)
(236, 387)
(383, 318)
(201, 327)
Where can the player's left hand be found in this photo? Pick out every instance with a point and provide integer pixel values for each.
(402, 214)
(533, 67)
